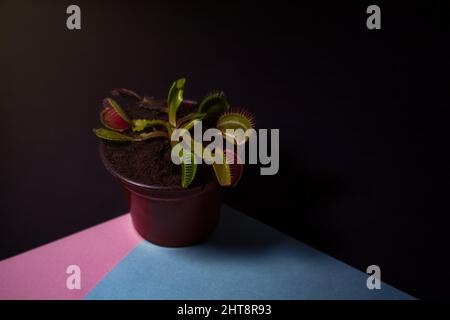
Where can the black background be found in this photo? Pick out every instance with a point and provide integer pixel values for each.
(364, 151)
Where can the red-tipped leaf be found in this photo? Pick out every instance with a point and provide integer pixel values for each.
(112, 120)
(113, 117)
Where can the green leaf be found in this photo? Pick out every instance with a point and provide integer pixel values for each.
(235, 120)
(223, 175)
(116, 136)
(141, 124)
(191, 123)
(222, 170)
(230, 171)
(111, 135)
(108, 102)
(190, 116)
(174, 99)
(188, 170)
(150, 135)
(213, 105)
(236, 168)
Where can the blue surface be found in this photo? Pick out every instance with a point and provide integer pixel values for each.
(244, 259)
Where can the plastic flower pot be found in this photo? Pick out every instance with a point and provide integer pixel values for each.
(170, 216)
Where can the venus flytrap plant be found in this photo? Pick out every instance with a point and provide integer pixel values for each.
(214, 108)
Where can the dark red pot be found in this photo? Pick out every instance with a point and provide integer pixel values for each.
(169, 216)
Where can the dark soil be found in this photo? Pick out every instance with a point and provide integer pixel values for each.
(149, 162)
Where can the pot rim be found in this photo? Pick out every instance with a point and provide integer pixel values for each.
(108, 165)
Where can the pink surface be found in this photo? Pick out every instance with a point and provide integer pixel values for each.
(41, 272)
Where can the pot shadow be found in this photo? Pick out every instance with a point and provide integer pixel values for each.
(238, 234)
(298, 201)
